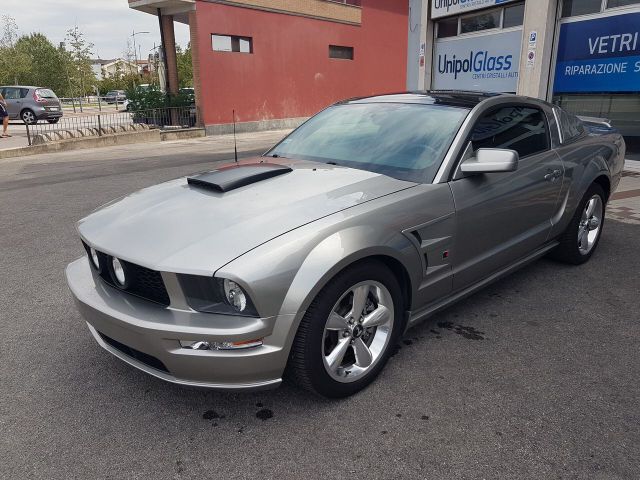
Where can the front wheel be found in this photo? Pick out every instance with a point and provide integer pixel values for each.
(580, 240)
(348, 332)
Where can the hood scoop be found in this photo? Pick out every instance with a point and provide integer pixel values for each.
(236, 176)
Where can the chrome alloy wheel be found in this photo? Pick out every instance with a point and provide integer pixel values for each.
(357, 331)
(590, 224)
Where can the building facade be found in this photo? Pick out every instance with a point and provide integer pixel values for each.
(275, 62)
(581, 54)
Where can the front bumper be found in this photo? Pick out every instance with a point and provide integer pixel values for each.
(147, 336)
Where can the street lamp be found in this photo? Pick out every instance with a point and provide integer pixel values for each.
(135, 50)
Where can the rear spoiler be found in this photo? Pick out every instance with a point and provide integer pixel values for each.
(598, 125)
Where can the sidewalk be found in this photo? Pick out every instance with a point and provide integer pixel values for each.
(625, 202)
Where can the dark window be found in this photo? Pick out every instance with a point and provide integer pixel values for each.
(570, 125)
(344, 53)
(24, 92)
(519, 128)
(571, 8)
(232, 43)
(513, 16)
(12, 93)
(621, 3)
(448, 27)
(482, 21)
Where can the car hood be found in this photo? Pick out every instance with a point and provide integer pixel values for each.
(183, 228)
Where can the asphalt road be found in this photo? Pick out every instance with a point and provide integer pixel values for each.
(536, 377)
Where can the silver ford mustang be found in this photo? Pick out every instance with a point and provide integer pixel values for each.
(312, 260)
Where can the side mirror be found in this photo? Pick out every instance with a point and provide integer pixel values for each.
(491, 160)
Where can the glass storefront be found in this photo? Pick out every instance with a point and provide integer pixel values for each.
(597, 69)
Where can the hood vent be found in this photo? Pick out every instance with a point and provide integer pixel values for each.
(236, 176)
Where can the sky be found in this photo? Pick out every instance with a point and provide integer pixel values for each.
(108, 24)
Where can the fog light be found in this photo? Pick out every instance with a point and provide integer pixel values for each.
(202, 345)
(94, 258)
(118, 272)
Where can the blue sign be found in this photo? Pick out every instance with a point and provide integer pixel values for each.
(601, 55)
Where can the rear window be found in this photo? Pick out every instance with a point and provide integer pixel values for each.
(571, 126)
(46, 93)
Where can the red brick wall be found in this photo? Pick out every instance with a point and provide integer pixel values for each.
(290, 73)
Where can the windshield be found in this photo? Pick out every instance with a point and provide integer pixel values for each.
(404, 141)
(46, 93)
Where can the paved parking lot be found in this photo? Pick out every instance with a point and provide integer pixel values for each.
(535, 377)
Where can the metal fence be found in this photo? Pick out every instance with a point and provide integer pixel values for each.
(73, 126)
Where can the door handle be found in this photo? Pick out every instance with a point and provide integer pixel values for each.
(553, 175)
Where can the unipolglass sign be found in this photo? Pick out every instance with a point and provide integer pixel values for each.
(489, 63)
(442, 8)
(601, 55)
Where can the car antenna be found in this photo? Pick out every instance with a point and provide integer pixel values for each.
(235, 143)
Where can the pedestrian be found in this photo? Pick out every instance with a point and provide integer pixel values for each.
(4, 116)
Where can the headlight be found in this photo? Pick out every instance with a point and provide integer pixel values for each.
(216, 295)
(234, 295)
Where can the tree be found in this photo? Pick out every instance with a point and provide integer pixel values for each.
(81, 74)
(9, 32)
(13, 66)
(185, 66)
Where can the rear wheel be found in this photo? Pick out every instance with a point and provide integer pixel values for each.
(348, 332)
(28, 117)
(580, 240)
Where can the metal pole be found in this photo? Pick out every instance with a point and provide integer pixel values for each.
(99, 126)
(135, 50)
(28, 134)
(164, 52)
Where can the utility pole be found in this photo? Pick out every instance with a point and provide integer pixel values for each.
(135, 49)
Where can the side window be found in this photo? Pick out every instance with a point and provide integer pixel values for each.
(24, 92)
(12, 93)
(520, 128)
(570, 125)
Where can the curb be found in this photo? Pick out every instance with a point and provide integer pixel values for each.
(147, 136)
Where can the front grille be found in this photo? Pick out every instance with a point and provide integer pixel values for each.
(142, 282)
(148, 360)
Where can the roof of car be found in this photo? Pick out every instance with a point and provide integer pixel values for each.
(455, 98)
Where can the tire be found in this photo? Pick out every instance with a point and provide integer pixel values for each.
(571, 249)
(53, 120)
(316, 340)
(28, 117)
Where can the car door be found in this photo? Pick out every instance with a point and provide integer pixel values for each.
(14, 101)
(501, 217)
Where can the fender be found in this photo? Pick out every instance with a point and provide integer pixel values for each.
(336, 253)
(579, 177)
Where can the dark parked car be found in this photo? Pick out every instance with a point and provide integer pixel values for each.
(114, 96)
(31, 104)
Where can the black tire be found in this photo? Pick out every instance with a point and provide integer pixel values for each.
(53, 120)
(28, 117)
(568, 251)
(306, 365)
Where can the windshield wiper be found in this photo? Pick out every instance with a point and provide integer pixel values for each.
(332, 163)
